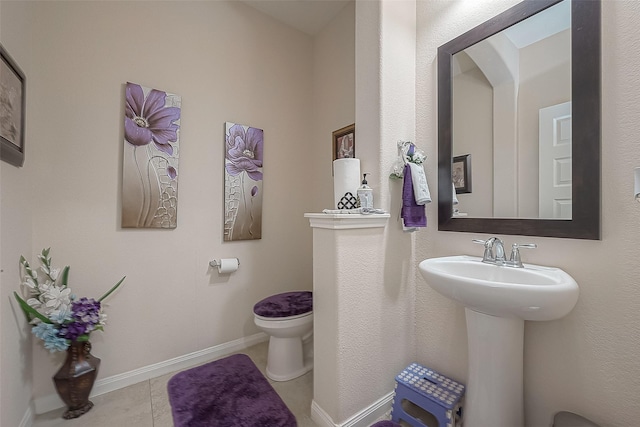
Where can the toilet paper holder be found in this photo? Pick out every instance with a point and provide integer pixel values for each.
(216, 263)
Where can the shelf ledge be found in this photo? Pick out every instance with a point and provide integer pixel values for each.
(347, 221)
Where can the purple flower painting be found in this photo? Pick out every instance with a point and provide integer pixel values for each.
(243, 182)
(150, 160)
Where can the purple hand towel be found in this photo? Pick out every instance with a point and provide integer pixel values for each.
(412, 213)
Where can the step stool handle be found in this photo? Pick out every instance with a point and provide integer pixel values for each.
(431, 378)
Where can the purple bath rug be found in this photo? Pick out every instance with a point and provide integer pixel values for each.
(229, 392)
(385, 424)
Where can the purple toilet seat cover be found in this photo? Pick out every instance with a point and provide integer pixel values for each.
(285, 305)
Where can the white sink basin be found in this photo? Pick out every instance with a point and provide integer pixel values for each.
(530, 293)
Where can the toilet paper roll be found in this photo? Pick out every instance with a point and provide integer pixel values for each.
(346, 178)
(228, 265)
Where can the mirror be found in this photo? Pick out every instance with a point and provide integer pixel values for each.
(493, 109)
(509, 92)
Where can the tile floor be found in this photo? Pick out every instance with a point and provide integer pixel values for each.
(146, 404)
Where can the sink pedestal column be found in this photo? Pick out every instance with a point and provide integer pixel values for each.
(494, 394)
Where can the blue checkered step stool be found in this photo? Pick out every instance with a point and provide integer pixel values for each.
(420, 389)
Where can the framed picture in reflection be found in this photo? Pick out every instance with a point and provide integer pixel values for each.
(461, 173)
(344, 142)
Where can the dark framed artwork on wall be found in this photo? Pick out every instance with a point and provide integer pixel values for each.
(12, 110)
(344, 142)
(461, 173)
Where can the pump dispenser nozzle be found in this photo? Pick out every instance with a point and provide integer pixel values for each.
(365, 194)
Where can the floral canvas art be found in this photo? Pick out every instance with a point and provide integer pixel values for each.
(150, 159)
(243, 182)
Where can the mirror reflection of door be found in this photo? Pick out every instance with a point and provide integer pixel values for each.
(555, 162)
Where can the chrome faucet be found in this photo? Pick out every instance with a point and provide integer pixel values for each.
(494, 252)
(515, 260)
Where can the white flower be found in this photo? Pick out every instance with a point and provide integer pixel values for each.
(44, 287)
(418, 156)
(29, 282)
(33, 302)
(55, 295)
(45, 260)
(54, 274)
(397, 168)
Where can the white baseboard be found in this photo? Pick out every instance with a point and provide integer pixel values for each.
(320, 417)
(364, 418)
(27, 419)
(105, 385)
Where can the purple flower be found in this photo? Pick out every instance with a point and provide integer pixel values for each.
(254, 191)
(172, 172)
(149, 120)
(86, 309)
(85, 316)
(244, 152)
(73, 330)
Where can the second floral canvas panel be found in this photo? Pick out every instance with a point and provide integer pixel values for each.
(150, 158)
(243, 182)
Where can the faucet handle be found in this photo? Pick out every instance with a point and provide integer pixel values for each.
(487, 256)
(515, 259)
(524, 245)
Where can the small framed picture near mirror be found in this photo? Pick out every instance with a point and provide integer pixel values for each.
(461, 173)
(344, 142)
(12, 110)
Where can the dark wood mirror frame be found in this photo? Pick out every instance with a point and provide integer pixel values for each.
(585, 93)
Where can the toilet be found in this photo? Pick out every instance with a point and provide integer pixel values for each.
(288, 320)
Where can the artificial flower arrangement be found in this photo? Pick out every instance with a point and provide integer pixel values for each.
(407, 152)
(58, 316)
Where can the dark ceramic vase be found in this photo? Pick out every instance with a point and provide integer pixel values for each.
(75, 379)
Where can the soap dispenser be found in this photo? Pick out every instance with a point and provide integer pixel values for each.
(365, 194)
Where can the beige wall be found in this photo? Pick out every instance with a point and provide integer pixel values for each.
(376, 302)
(334, 75)
(364, 312)
(586, 362)
(334, 107)
(16, 201)
(473, 134)
(229, 63)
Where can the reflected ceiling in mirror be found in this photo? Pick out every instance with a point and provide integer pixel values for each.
(521, 94)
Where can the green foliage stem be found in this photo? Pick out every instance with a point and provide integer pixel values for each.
(110, 291)
(29, 311)
(64, 277)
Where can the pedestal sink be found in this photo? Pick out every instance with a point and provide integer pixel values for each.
(497, 301)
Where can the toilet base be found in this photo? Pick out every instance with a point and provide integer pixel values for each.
(286, 359)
